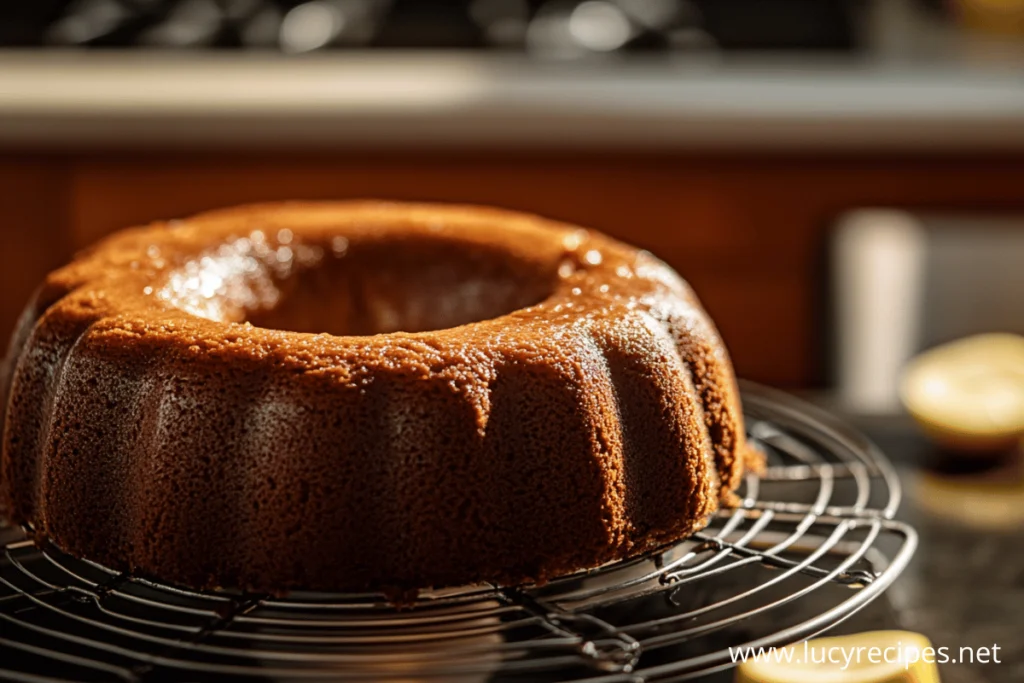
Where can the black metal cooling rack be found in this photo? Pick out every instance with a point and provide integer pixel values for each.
(813, 541)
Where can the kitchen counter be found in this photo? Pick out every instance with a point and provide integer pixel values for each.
(102, 99)
(965, 585)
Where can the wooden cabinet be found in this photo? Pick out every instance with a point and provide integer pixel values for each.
(34, 230)
(749, 233)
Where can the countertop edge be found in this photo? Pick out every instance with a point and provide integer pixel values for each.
(460, 99)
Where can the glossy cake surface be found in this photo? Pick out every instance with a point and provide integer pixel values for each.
(365, 395)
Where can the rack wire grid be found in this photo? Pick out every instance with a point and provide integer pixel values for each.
(813, 541)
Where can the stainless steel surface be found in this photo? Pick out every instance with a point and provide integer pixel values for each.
(813, 541)
(103, 99)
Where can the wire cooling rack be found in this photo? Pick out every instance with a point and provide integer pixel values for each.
(813, 541)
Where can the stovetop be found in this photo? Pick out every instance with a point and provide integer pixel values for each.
(551, 28)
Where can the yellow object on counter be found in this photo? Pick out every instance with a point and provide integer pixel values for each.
(969, 394)
(872, 657)
(992, 17)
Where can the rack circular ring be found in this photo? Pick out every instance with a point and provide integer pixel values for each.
(813, 541)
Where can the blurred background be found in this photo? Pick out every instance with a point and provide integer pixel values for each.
(729, 137)
(842, 181)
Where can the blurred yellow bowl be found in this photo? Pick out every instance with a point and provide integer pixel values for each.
(969, 394)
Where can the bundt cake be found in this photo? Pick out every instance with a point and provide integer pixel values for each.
(365, 395)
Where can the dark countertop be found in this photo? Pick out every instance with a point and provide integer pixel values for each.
(965, 585)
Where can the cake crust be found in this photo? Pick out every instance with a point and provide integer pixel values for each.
(350, 396)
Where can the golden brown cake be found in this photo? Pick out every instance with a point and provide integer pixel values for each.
(365, 395)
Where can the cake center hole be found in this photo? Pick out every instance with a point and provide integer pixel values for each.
(358, 288)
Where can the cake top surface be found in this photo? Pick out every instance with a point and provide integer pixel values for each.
(316, 283)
